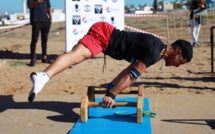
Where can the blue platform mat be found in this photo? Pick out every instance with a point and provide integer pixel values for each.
(105, 121)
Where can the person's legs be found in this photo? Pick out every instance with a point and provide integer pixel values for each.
(44, 39)
(34, 39)
(63, 61)
(78, 54)
(194, 31)
(94, 42)
(198, 27)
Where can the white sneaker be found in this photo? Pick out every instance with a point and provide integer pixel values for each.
(38, 80)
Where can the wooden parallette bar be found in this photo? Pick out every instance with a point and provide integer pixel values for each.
(85, 103)
(91, 91)
(97, 104)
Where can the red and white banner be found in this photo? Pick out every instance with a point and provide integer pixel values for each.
(146, 15)
(142, 31)
(14, 28)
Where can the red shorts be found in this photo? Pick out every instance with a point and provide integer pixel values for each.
(97, 38)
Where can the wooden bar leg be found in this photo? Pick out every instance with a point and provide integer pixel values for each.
(84, 109)
(140, 103)
(91, 93)
(140, 90)
(139, 109)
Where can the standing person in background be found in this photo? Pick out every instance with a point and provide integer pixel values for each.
(196, 20)
(40, 19)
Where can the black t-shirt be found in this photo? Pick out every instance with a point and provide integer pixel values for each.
(39, 13)
(134, 46)
(193, 6)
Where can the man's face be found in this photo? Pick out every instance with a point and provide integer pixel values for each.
(175, 59)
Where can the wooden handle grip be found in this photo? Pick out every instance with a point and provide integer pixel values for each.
(96, 104)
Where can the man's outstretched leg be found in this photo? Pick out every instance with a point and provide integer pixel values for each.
(39, 79)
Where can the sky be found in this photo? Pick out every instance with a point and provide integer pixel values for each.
(15, 6)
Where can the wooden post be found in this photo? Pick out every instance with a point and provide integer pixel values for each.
(84, 109)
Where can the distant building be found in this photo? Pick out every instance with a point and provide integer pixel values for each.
(21, 18)
(58, 15)
(57, 11)
(145, 10)
(168, 6)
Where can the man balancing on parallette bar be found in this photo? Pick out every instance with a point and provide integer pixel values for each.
(140, 49)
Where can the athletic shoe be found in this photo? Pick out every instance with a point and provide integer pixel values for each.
(46, 61)
(38, 80)
(32, 63)
(195, 44)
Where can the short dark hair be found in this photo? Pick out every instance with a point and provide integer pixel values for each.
(185, 47)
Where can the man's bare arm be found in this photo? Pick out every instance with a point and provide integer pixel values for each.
(34, 3)
(126, 80)
(50, 13)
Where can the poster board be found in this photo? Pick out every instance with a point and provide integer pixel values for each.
(82, 14)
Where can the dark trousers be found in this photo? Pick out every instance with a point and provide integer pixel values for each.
(36, 28)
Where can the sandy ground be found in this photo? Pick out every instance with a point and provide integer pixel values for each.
(182, 97)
